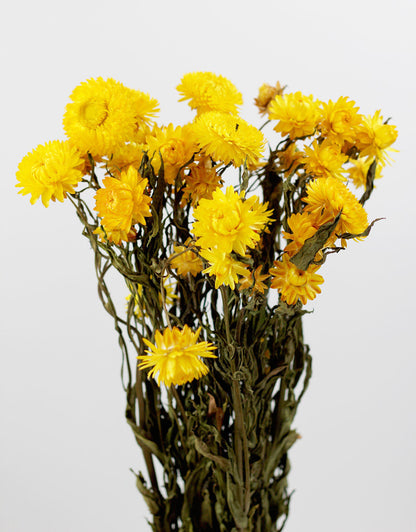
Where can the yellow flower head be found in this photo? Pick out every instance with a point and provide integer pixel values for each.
(324, 160)
(374, 137)
(229, 222)
(293, 283)
(359, 169)
(266, 94)
(229, 139)
(209, 92)
(175, 145)
(101, 116)
(302, 228)
(185, 261)
(289, 159)
(222, 265)
(51, 171)
(124, 156)
(122, 203)
(176, 355)
(340, 120)
(253, 281)
(201, 181)
(327, 197)
(298, 115)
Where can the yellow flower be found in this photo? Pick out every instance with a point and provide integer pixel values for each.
(327, 197)
(101, 116)
(176, 356)
(324, 160)
(293, 283)
(145, 109)
(340, 120)
(175, 145)
(302, 228)
(266, 94)
(185, 261)
(122, 203)
(51, 171)
(201, 181)
(253, 280)
(229, 222)
(374, 137)
(298, 115)
(209, 92)
(229, 139)
(289, 159)
(224, 267)
(130, 154)
(359, 169)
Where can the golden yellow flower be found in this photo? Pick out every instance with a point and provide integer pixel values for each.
(123, 157)
(229, 221)
(289, 159)
(293, 283)
(266, 94)
(209, 92)
(374, 137)
(122, 203)
(327, 197)
(224, 267)
(359, 169)
(176, 147)
(51, 171)
(298, 115)
(302, 228)
(185, 261)
(253, 280)
(145, 108)
(340, 120)
(100, 117)
(229, 139)
(201, 181)
(176, 356)
(324, 160)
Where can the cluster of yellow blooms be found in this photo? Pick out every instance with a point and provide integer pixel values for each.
(326, 145)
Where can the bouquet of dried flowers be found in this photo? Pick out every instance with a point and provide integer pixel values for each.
(217, 274)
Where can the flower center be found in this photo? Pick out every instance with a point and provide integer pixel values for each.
(94, 113)
(297, 278)
(226, 224)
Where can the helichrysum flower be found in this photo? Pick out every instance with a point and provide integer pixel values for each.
(122, 203)
(293, 283)
(359, 169)
(302, 228)
(130, 154)
(230, 222)
(327, 197)
(176, 147)
(51, 171)
(340, 120)
(104, 114)
(185, 261)
(289, 159)
(201, 181)
(209, 92)
(324, 160)
(266, 94)
(176, 356)
(224, 267)
(229, 138)
(374, 137)
(253, 280)
(298, 115)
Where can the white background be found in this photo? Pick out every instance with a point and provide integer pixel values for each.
(65, 450)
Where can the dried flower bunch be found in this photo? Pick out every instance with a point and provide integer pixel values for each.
(216, 274)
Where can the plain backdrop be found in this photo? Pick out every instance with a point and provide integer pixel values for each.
(65, 449)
